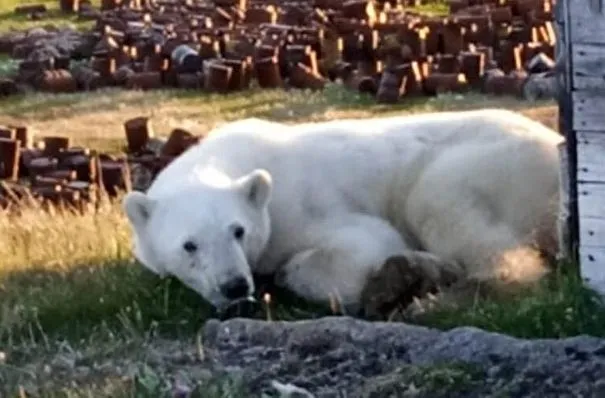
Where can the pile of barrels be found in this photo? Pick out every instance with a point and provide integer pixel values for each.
(373, 46)
(51, 171)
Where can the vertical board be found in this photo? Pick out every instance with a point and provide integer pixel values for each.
(588, 66)
(584, 23)
(593, 272)
(591, 156)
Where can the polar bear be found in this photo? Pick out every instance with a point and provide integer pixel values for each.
(324, 205)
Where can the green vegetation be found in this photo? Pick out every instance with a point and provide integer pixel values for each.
(560, 306)
(438, 380)
(11, 21)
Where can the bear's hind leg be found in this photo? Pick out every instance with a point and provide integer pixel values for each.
(346, 262)
(403, 280)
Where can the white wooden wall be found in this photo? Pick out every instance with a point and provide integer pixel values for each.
(585, 34)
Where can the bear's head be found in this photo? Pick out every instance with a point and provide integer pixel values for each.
(207, 236)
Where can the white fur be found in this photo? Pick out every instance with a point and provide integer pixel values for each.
(476, 187)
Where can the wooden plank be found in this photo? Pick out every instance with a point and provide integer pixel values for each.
(590, 156)
(591, 200)
(565, 245)
(596, 5)
(592, 267)
(591, 210)
(588, 110)
(588, 66)
(587, 21)
(569, 217)
(592, 232)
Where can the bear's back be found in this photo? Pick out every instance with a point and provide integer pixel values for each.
(237, 147)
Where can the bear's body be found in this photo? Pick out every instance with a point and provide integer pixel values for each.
(323, 205)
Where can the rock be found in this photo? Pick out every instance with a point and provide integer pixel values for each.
(86, 77)
(8, 87)
(541, 86)
(290, 390)
(42, 43)
(540, 63)
(64, 362)
(342, 356)
(141, 177)
(123, 73)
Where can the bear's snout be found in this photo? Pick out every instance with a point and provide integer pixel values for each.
(238, 292)
(235, 288)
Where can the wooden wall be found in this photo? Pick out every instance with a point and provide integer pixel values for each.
(583, 107)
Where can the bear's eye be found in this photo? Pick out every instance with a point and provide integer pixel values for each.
(238, 232)
(189, 247)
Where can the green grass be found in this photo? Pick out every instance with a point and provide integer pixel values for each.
(560, 306)
(11, 21)
(438, 379)
(274, 103)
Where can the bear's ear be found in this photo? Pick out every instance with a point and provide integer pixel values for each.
(137, 207)
(256, 187)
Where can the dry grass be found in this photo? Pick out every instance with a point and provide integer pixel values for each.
(56, 240)
(97, 120)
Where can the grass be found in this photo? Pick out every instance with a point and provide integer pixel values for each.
(97, 120)
(438, 379)
(432, 8)
(71, 279)
(560, 307)
(54, 16)
(72, 297)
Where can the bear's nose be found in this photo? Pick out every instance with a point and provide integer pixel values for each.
(235, 288)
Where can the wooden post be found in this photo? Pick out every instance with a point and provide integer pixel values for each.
(568, 210)
(582, 120)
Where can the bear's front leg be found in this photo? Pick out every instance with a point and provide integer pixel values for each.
(346, 260)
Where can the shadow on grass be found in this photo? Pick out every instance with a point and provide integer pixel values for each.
(561, 306)
(122, 297)
(117, 297)
(74, 302)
